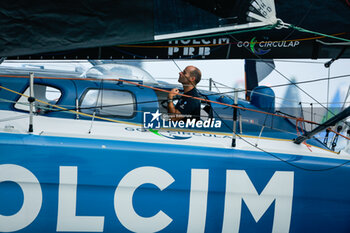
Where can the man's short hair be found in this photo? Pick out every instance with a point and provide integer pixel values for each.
(197, 74)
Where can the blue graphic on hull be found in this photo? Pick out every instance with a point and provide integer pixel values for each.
(119, 186)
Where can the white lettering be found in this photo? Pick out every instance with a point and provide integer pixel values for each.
(217, 124)
(172, 50)
(181, 124)
(206, 51)
(67, 205)
(188, 51)
(196, 41)
(199, 124)
(176, 49)
(206, 41)
(174, 123)
(123, 204)
(198, 200)
(185, 41)
(224, 40)
(290, 44)
(175, 41)
(32, 197)
(190, 123)
(206, 123)
(239, 187)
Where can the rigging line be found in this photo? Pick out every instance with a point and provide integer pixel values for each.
(100, 91)
(277, 157)
(289, 84)
(166, 91)
(177, 65)
(118, 105)
(311, 81)
(218, 88)
(27, 104)
(283, 160)
(302, 19)
(13, 118)
(345, 102)
(329, 73)
(243, 90)
(11, 101)
(57, 110)
(73, 112)
(105, 106)
(59, 107)
(70, 111)
(346, 98)
(338, 133)
(84, 114)
(274, 68)
(317, 33)
(263, 94)
(225, 118)
(139, 45)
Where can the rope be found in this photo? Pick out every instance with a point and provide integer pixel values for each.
(300, 121)
(280, 24)
(65, 109)
(338, 133)
(318, 33)
(283, 25)
(212, 45)
(146, 86)
(156, 89)
(289, 84)
(286, 161)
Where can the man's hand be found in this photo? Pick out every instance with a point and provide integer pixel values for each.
(173, 93)
(171, 108)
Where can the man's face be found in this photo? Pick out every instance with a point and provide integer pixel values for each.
(184, 76)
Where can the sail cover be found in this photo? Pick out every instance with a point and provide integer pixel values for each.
(31, 27)
(193, 17)
(170, 29)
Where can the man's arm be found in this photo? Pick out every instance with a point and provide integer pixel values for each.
(174, 114)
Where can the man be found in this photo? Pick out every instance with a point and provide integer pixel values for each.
(186, 107)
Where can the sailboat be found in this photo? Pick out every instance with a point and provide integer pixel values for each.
(93, 151)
